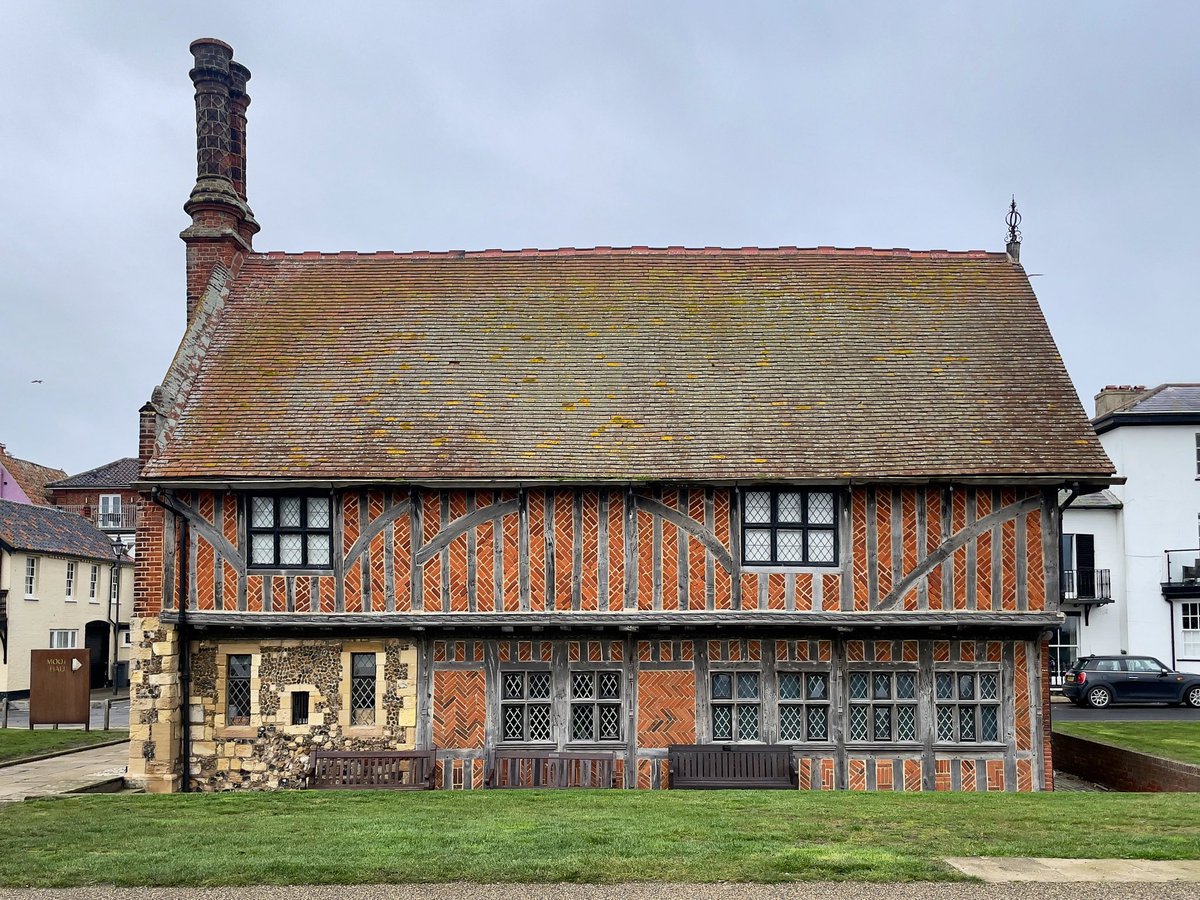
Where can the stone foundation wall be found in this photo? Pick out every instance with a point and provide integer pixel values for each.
(154, 717)
(272, 752)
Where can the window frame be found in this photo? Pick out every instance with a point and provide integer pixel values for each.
(242, 721)
(304, 531)
(1198, 454)
(94, 585)
(735, 703)
(30, 583)
(109, 511)
(355, 680)
(893, 703)
(804, 526)
(1189, 646)
(804, 703)
(977, 704)
(596, 703)
(525, 702)
(114, 585)
(69, 589)
(74, 641)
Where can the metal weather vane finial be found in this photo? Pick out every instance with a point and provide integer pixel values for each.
(1013, 219)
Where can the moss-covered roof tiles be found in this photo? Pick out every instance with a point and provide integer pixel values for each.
(630, 365)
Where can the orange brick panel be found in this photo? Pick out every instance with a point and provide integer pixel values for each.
(750, 589)
(855, 651)
(378, 581)
(589, 581)
(910, 650)
(206, 506)
(831, 591)
(229, 518)
(328, 590)
(967, 775)
(908, 518)
(1035, 566)
(616, 551)
(564, 551)
(1024, 775)
(254, 593)
(883, 542)
(350, 523)
(804, 592)
(934, 583)
(279, 594)
(883, 651)
(666, 708)
(431, 585)
(858, 537)
(722, 588)
(537, 550)
(696, 574)
(960, 578)
(1008, 564)
(510, 534)
(983, 555)
(645, 772)
(883, 775)
(670, 554)
(827, 774)
(776, 583)
(205, 571)
(910, 599)
(941, 651)
(402, 563)
(1021, 698)
(722, 502)
(645, 579)
(942, 775)
(459, 601)
(458, 708)
(229, 585)
(824, 650)
(912, 775)
(995, 775)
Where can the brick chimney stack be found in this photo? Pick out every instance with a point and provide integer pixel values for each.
(223, 226)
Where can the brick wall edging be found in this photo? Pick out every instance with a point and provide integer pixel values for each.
(1122, 769)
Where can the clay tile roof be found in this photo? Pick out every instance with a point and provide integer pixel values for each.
(630, 364)
(43, 530)
(30, 477)
(120, 473)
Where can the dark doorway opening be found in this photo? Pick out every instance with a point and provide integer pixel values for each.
(96, 638)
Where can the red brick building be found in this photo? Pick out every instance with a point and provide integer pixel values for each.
(105, 496)
(609, 499)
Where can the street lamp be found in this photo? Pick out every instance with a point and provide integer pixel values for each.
(114, 605)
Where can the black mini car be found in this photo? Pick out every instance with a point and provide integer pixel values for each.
(1100, 681)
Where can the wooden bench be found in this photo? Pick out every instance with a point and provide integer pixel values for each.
(549, 769)
(700, 766)
(397, 770)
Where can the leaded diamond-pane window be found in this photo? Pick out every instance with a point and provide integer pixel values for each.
(362, 689)
(883, 706)
(237, 686)
(290, 532)
(968, 707)
(735, 706)
(595, 706)
(803, 706)
(525, 707)
(789, 527)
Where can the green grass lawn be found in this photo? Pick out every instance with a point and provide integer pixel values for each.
(17, 743)
(334, 837)
(1174, 740)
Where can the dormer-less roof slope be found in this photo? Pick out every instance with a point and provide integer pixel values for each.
(630, 365)
(120, 473)
(1167, 404)
(39, 529)
(31, 477)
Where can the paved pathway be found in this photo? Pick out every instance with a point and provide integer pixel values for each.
(646, 891)
(1002, 869)
(64, 773)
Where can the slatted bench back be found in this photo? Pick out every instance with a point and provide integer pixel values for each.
(399, 770)
(696, 766)
(549, 769)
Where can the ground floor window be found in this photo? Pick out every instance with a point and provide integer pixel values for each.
(1191, 630)
(735, 706)
(64, 639)
(237, 681)
(968, 707)
(803, 706)
(595, 706)
(525, 707)
(363, 688)
(883, 706)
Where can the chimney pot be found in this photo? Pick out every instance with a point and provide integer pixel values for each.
(1117, 396)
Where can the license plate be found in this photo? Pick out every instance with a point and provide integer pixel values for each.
(1071, 678)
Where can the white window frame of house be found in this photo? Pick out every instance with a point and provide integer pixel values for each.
(114, 585)
(1198, 454)
(1189, 613)
(64, 638)
(69, 593)
(110, 510)
(31, 577)
(94, 585)
(126, 638)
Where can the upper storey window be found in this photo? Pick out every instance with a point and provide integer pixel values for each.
(789, 527)
(290, 532)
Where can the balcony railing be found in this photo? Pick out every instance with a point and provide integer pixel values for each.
(1183, 573)
(1086, 586)
(123, 519)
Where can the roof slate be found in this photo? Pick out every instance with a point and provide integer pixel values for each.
(1167, 398)
(120, 473)
(630, 365)
(46, 530)
(32, 477)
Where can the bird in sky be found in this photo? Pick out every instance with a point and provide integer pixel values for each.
(36, 381)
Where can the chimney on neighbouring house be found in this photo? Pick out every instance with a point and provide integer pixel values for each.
(1115, 396)
(223, 227)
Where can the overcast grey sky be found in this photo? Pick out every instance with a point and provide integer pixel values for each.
(407, 126)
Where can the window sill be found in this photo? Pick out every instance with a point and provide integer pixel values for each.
(31, 597)
(287, 571)
(793, 569)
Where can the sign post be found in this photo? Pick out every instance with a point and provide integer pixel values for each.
(60, 688)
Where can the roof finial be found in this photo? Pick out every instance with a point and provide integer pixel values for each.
(1013, 219)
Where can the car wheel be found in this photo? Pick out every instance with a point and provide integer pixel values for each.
(1193, 696)
(1099, 697)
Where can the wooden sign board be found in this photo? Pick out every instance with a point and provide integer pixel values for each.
(60, 687)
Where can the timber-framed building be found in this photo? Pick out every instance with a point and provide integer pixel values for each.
(594, 499)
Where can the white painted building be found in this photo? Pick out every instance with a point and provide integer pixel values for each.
(1142, 538)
